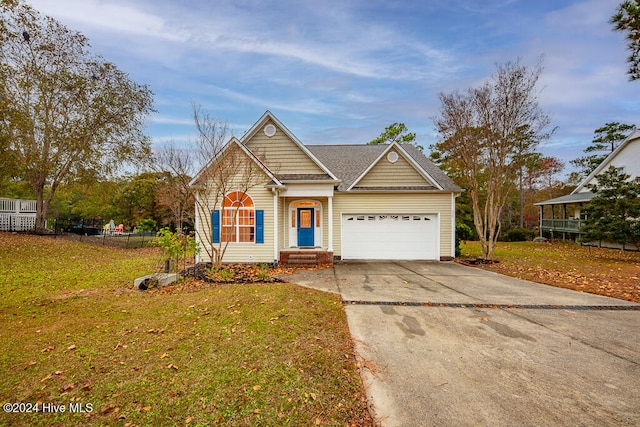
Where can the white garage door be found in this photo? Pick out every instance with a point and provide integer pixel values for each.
(392, 236)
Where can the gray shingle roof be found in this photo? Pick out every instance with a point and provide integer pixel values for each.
(348, 162)
(584, 197)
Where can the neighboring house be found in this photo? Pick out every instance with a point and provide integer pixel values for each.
(326, 201)
(563, 215)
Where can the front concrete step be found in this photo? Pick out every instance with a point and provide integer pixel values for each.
(303, 260)
(306, 258)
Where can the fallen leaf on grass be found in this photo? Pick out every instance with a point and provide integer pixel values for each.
(109, 409)
(257, 387)
(71, 347)
(49, 348)
(172, 366)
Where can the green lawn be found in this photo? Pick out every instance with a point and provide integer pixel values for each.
(75, 333)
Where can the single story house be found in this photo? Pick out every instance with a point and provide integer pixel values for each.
(317, 202)
(563, 215)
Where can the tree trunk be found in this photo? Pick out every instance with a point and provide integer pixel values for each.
(521, 200)
(42, 207)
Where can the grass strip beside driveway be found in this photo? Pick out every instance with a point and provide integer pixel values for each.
(602, 271)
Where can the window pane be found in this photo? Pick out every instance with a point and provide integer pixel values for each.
(246, 234)
(228, 234)
(227, 217)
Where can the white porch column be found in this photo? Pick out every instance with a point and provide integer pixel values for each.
(276, 219)
(330, 223)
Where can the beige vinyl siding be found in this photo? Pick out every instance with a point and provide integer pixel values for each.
(281, 154)
(387, 174)
(401, 203)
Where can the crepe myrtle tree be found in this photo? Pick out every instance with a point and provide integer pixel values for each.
(207, 172)
(486, 134)
(66, 113)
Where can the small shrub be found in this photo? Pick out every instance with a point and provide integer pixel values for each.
(519, 235)
(262, 272)
(463, 233)
(226, 274)
(220, 274)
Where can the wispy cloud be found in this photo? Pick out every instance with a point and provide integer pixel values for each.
(110, 16)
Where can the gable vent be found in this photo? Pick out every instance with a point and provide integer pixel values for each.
(392, 157)
(269, 130)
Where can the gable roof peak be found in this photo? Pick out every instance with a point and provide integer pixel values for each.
(268, 115)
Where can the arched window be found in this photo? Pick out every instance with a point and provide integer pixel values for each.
(238, 218)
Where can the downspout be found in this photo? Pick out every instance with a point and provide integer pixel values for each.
(276, 255)
(330, 223)
(454, 196)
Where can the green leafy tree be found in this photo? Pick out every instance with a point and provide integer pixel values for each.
(606, 139)
(396, 132)
(614, 213)
(138, 198)
(483, 144)
(627, 20)
(65, 111)
(85, 199)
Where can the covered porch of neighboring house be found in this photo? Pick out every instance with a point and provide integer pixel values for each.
(563, 217)
(17, 214)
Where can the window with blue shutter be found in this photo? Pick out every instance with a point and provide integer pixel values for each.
(259, 226)
(215, 226)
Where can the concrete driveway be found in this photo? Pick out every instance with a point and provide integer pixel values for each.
(447, 345)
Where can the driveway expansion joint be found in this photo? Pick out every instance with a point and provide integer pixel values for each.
(496, 306)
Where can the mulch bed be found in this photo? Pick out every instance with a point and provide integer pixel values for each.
(235, 273)
(230, 273)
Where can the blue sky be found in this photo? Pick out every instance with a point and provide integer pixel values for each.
(341, 71)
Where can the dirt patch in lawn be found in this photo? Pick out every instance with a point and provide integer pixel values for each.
(601, 271)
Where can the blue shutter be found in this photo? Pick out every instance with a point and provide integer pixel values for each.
(215, 226)
(260, 226)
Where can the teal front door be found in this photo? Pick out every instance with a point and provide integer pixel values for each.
(305, 227)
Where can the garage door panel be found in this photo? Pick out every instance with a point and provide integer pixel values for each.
(392, 236)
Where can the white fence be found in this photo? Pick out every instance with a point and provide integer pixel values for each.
(17, 215)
